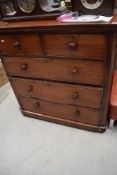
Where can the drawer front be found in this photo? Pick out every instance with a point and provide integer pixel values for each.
(20, 44)
(69, 112)
(56, 69)
(80, 45)
(59, 92)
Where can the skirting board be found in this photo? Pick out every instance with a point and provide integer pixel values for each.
(64, 122)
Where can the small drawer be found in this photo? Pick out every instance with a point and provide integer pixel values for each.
(69, 112)
(59, 92)
(88, 72)
(77, 45)
(22, 44)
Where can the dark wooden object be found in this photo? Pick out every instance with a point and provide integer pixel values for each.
(42, 10)
(106, 7)
(61, 72)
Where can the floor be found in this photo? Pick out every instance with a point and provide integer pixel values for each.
(33, 147)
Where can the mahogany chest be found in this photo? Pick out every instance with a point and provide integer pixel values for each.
(61, 72)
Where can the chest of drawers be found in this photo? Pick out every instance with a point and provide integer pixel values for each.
(60, 73)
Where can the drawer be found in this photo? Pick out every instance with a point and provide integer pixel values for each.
(80, 45)
(76, 71)
(69, 112)
(59, 92)
(22, 44)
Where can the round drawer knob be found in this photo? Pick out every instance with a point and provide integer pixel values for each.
(75, 95)
(37, 105)
(24, 66)
(75, 70)
(77, 113)
(73, 45)
(29, 88)
(17, 44)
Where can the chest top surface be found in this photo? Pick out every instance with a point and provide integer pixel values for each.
(54, 24)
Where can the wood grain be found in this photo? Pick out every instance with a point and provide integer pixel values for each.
(86, 45)
(59, 92)
(88, 72)
(74, 113)
(22, 44)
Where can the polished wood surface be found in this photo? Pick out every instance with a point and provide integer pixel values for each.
(41, 24)
(54, 24)
(23, 44)
(75, 71)
(79, 45)
(72, 46)
(58, 110)
(63, 93)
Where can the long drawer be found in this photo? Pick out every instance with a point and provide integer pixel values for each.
(88, 72)
(92, 46)
(59, 92)
(20, 44)
(69, 112)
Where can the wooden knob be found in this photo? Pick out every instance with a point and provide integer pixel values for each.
(73, 45)
(29, 88)
(24, 66)
(75, 95)
(37, 105)
(17, 44)
(77, 113)
(75, 70)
